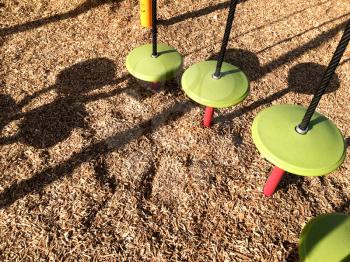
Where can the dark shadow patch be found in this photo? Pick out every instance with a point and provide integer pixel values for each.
(305, 78)
(8, 108)
(300, 183)
(47, 125)
(102, 175)
(144, 191)
(237, 139)
(86, 76)
(52, 123)
(245, 60)
(229, 72)
(293, 255)
(146, 183)
(92, 213)
(346, 259)
(343, 208)
(166, 52)
(105, 180)
(347, 142)
(142, 89)
(289, 180)
(317, 121)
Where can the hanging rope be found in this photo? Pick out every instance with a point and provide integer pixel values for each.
(154, 28)
(302, 128)
(230, 17)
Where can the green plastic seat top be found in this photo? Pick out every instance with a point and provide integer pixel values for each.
(143, 66)
(326, 238)
(320, 151)
(230, 89)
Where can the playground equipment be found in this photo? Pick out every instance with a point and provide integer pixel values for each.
(146, 13)
(314, 147)
(326, 238)
(154, 62)
(216, 84)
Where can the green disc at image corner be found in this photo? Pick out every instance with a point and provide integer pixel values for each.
(326, 238)
(143, 66)
(231, 89)
(320, 151)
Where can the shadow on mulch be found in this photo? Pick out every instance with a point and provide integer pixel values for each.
(86, 6)
(303, 78)
(345, 61)
(41, 179)
(73, 99)
(210, 9)
(47, 125)
(290, 180)
(145, 190)
(293, 255)
(4, 101)
(50, 124)
(344, 207)
(347, 142)
(288, 39)
(107, 181)
(197, 13)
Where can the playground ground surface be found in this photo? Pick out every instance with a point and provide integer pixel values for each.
(97, 166)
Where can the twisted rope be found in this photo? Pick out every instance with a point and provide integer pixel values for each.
(230, 17)
(344, 41)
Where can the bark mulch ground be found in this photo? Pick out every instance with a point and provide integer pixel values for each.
(97, 166)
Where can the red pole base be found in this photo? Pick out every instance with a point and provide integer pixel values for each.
(208, 116)
(273, 181)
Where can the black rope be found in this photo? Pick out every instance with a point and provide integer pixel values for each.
(154, 28)
(230, 17)
(303, 126)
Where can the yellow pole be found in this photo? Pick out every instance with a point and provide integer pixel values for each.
(146, 13)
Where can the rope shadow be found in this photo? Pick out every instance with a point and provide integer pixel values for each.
(210, 9)
(194, 14)
(302, 33)
(344, 62)
(5, 101)
(280, 20)
(86, 6)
